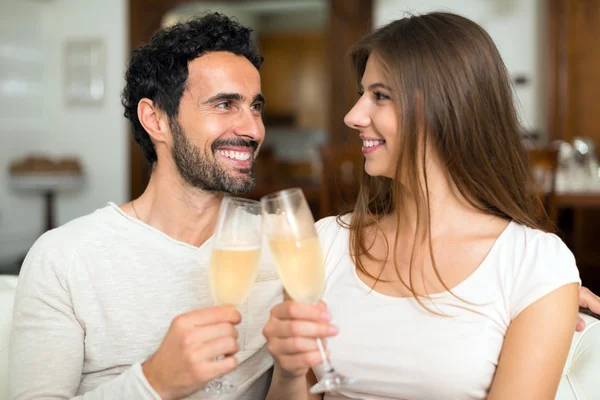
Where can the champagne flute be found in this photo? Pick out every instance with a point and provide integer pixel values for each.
(289, 228)
(234, 260)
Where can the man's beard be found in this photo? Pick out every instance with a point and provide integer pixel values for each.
(203, 174)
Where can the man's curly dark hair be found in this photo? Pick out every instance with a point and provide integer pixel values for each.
(159, 70)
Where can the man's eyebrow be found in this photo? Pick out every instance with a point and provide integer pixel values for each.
(225, 97)
(259, 98)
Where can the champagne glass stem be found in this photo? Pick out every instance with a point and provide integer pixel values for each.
(219, 385)
(327, 367)
(331, 381)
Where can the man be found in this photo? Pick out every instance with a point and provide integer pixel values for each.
(116, 304)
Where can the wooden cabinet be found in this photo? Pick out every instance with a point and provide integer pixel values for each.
(294, 78)
(574, 84)
(575, 68)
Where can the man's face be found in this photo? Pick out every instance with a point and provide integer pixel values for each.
(219, 128)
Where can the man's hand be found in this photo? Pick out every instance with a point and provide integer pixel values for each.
(185, 360)
(587, 299)
(291, 334)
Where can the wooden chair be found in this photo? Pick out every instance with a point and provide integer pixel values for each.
(341, 171)
(543, 163)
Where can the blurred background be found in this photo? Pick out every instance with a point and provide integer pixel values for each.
(65, 147)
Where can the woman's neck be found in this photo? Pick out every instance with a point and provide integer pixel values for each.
(444, 210)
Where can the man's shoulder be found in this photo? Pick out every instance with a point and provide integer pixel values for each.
(99, 224)
(56, 249)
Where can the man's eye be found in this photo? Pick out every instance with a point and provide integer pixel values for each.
(224, 105)
(258, 107)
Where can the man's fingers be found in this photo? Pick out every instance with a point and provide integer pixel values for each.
(587, 299)
(216, 348)
(580, 325)
(212, 369)
(209, 316)
(198, 337)
(296, 310)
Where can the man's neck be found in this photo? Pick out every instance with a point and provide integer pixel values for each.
(182, 212)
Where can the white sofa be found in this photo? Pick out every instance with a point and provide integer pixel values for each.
(8, 284)
(581, 376)
(580, 380)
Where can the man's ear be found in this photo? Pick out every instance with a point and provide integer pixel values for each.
(153, 120)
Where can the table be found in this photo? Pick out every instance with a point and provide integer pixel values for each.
(577, 200)
(47, 185)
(585, 231)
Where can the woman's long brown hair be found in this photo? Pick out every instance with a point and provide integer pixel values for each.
(452, 93)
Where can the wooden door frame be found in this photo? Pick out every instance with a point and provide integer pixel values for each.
(558, 77)
(348, 21)
(145, 18)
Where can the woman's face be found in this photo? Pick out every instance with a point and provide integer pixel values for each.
(374, 116)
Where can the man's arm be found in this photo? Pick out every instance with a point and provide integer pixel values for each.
(536, 346)
(47, 340)
(47, 343)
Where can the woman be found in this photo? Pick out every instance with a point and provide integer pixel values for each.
(440, 280)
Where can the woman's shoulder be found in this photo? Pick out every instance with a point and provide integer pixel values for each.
(339, 221)
(539, 243)
(540, 263)
(333, 231)
(334, 236)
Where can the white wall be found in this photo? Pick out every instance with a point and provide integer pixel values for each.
(22, 118)
(32, 38)
(98, 135)
(193, 9)
(514, 25)
(263, 16)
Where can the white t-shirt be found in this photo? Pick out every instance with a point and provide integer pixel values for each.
(95, 299)
(399, 350)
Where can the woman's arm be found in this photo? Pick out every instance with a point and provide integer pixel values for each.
(292, 388)
(536, 346)
(291, 334)
(311, 380)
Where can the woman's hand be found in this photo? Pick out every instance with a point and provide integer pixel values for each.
(291, 334)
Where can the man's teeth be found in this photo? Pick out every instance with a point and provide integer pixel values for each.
(371, 143)
(235, 155)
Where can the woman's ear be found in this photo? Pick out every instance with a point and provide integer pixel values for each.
(153, 120)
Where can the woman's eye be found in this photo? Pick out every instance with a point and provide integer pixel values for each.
(360, 93)
(381, 96)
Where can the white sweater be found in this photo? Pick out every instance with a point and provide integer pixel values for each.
(95, 299)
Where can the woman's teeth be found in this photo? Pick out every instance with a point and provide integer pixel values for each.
(371, 143)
